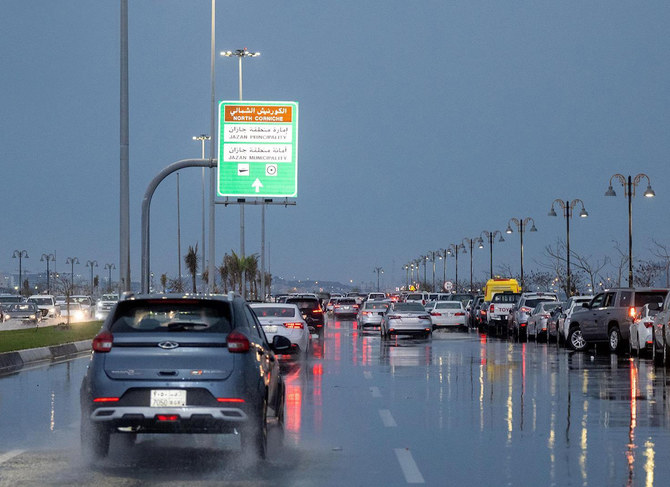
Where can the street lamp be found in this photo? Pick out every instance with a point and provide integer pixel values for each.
(432, 254)
(453, 250)
(568, 207)
(629, 191)
(378, 270)
(443, 257)
(202, 138)
(471, 242)
(91, 264)
(406, 267)
(242, 53)
(109, 267)
(521, 225)
(52, 258)
(21, 254)
(424, 259)
(72, 261)
(490, 236)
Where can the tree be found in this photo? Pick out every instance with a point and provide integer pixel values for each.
(223, 272)
(164, 280)
(191, 261)
(621, 262)
(662, 252)
(250, 272)
(647, 272)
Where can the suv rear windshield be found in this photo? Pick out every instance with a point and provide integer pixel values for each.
(304, 303)
(414, 297)
(172, 315)
(644, 297)
(505, 298)
(532, 303)
(346, 301)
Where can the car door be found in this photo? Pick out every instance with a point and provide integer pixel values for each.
(587, 317)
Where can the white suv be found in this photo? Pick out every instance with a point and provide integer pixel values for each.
(47, 305)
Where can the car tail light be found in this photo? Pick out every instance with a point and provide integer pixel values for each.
(318, 310)
(366, 313)
(525, 309)
(631, 312)
(459, 314)
(435, 314)
(423, 317)
(294, 326)
(491, 308)
(106, 399)
(545, 315)
(102, 343)
(483, 312)
(648, 324)
(167, 417)
(336, 306)
(394, 317)
(237, 342)
(356, 306)
(522, 325)
(230, 399)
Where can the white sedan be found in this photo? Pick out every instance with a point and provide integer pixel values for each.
(642, 329)
(284, 319)
(447, 314)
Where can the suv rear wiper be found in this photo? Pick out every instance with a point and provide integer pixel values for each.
(186, 325)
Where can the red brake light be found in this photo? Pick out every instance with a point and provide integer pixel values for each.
(293, 326)
(237, 342)
(167, 417)
(102, 343)
(648, 324)
(394, 317)
(229, 399)
(525, 309)
(631, 312)
(318, 310)
(435, 314)
(459, 314)
(106, 399)
(491, 309)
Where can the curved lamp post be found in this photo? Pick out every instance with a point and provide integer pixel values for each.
(568, 207)
(471, 243)
(109, 267)
(91, 264)
(453, 249)
(52, 258)
(521, 225)
(629, 191)
(21, 254)
(443, 256)
(490, 236)
(72, 261)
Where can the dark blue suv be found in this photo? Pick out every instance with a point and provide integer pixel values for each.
(181, 364)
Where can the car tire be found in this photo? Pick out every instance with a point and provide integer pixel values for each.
(94, 439)
(576, 340)
(255, 436)
(614, 339)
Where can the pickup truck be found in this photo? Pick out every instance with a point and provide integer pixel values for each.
(607, 317)
(498, 313)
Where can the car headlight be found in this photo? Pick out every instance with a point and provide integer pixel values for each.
(79, 314)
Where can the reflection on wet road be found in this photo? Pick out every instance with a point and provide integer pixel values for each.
(457, 409)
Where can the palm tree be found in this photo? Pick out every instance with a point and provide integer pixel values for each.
(191, 261)
(224, 272)
(250, 271)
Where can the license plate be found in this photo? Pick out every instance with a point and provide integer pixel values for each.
(270, 328)
(168, 398)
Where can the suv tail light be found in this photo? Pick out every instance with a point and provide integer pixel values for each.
(649, 324)
(237, 342)
(434, 313)
(102, 343)
(294, 326)
(317, 310)
(631, 312)
(525, 309)
(491, 309)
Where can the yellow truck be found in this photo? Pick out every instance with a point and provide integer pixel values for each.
(500, 285)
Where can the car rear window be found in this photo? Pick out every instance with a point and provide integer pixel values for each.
(303, 303)
(449, 305)
(532, 303)
(644, 297)
(346, 301)
(172, 315)
(415, 297)
(505, 298)
(274, 311)
(370, 305)
(408, 307)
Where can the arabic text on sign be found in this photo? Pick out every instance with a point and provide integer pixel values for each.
(255, 113)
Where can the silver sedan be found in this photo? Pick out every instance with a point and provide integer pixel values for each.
(371, 313)
(406, 319)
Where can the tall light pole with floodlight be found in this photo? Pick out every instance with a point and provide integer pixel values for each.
(490, 236)
(629, 191)
(242, 53)
(521, 225)
(202, 138)
(21, 254)
(568, 207)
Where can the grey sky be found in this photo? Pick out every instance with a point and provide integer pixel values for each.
(421, 123)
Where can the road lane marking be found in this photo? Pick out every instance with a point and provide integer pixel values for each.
(387, 419)
(9, 455)
(367, 374)
(408, 466)
(375, 392)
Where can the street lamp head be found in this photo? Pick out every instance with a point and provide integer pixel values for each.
(509, 229)
(533, 229)
(610, 191)
(583, 213)
(501, 239)
(462, 248)
(552, 212)
(649, 193)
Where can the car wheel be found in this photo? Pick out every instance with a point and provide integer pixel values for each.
(94, 439)
(614, 339)
(576, 340)
(255, 436)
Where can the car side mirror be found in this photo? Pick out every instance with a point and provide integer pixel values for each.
(280, 343)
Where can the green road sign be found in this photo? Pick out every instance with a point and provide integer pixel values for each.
(258, 149)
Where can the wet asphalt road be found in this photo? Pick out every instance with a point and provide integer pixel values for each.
(459, 409)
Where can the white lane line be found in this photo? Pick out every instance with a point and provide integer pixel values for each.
(375, 392)
(367, 374)
(387, 419)
(408, 466)
(9, 455)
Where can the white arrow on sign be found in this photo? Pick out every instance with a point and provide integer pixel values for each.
(257, 185)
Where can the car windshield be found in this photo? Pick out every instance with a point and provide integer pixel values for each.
(408, 307)
(42, 301)
(171, 315)
(274, 311)
(110, 297)
(21, 307)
